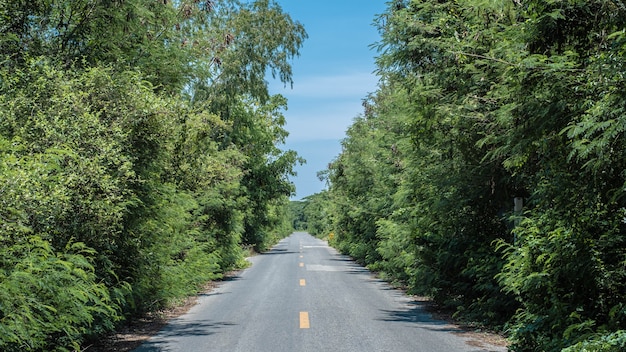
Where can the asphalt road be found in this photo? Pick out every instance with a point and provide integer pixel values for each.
(304, 296)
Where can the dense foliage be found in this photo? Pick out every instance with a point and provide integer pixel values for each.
(139, 156)
(481, 105)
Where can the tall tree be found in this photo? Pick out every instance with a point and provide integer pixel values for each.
(439, 58)
(256, 37)
(566, 104)
(108, 139)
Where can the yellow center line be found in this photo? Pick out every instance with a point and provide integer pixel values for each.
(304, 320)
(302, 282)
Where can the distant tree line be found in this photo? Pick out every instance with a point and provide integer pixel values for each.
(488, 170)
(138, 156)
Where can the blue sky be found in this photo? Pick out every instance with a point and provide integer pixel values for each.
(332, 75)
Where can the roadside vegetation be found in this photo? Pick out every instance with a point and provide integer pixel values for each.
(488, 169)
(139, 156)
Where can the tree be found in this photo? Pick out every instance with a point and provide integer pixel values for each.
(509, 99)
(439, 67)
(573, 228)
(108, 144)
(258, 37)
(297, 216)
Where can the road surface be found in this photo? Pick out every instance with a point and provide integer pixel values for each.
(304, 296)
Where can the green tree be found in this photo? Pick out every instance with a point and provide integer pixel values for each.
(565, 101)
(108, 141)
(258, 130)
(258, 37)
(297, 216)
(318, 214)
(49, 299)
(439, 65)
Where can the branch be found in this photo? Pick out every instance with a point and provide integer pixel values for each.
(483, 57)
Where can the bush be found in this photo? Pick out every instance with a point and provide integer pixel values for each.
(50, 299)
(613, 342)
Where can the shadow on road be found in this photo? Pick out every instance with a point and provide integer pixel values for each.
(418, 316)
(180, 329)
(417, 313)
(349, 264)
(342, 259)
(277, 251)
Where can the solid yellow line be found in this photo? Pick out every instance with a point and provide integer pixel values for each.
(302, 282)
(301, 265)
(304, 320)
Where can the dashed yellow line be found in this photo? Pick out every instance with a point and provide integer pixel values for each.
(304, 320)
(302, 282)
(301, 264)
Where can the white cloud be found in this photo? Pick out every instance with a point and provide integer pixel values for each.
(323, 107)
(348, 85)
(355, 85)
(320, 110)
(329, 121)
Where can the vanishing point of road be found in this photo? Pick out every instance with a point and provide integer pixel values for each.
(304, 296)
